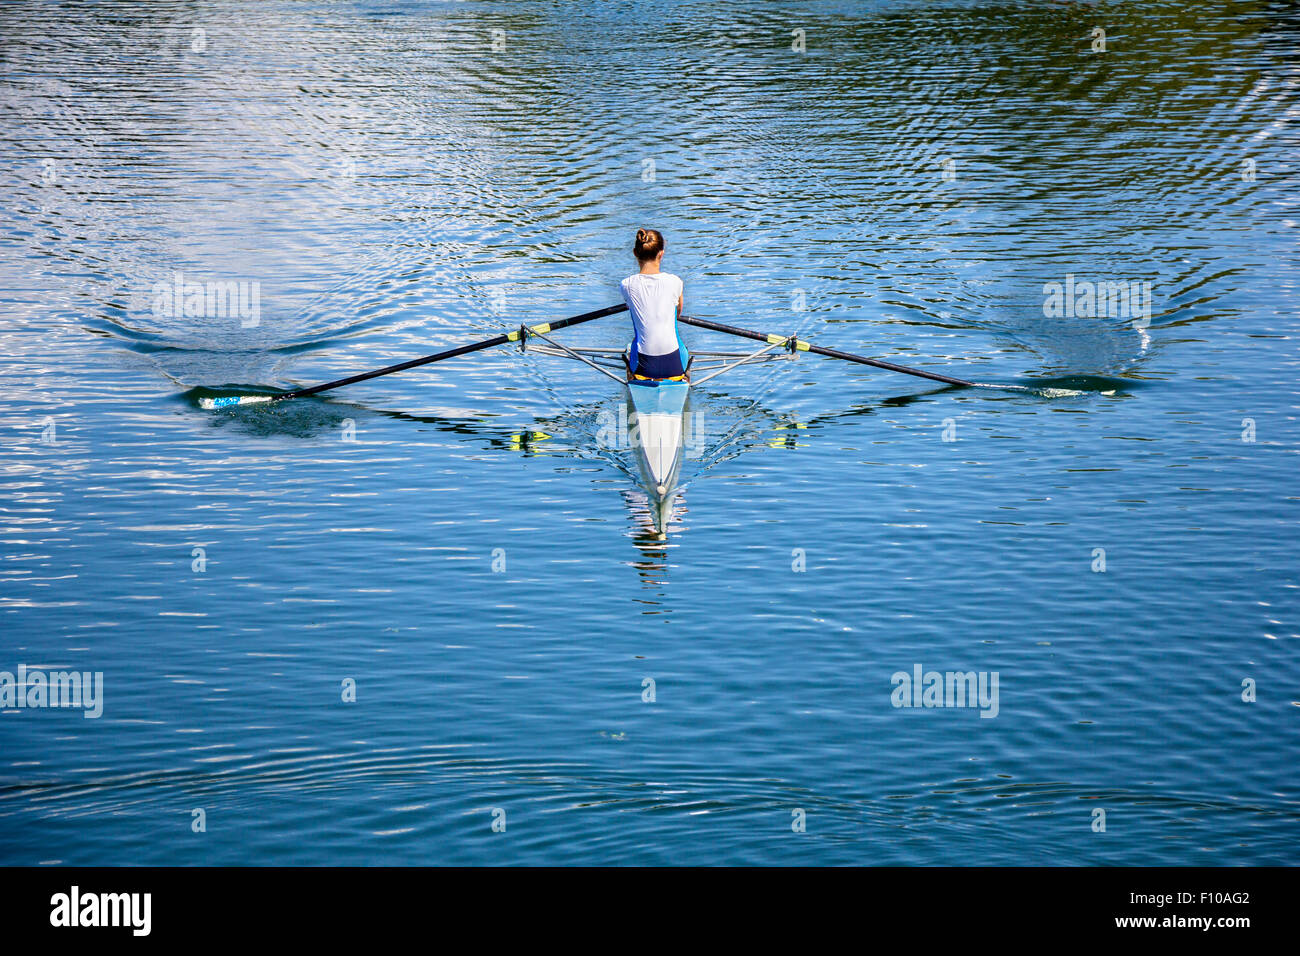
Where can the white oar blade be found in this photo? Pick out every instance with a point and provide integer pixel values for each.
(231, 401)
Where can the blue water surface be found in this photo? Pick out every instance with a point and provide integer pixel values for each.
(539, 676)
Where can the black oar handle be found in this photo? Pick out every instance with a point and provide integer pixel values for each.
(452, 353)
(802, 346)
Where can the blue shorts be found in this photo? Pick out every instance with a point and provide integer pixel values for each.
(659, 366)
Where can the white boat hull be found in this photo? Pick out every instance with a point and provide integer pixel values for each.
(657, 431)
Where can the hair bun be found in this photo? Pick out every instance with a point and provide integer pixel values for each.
(649, 243)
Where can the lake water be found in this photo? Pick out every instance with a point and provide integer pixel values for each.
(458, 543)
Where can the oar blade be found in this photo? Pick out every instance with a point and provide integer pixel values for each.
(233, 401)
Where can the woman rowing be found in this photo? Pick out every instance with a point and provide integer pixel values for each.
(655, 300)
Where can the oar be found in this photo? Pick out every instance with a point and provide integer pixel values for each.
(802, 346)
(230, 401)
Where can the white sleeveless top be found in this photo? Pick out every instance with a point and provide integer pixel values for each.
(652, 300)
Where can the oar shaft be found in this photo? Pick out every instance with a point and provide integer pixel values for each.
(890, 366)
(452, 353)
(803, 346)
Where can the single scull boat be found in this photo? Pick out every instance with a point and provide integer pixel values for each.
(657, 425)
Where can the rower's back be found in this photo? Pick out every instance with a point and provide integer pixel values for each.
(654, 298)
